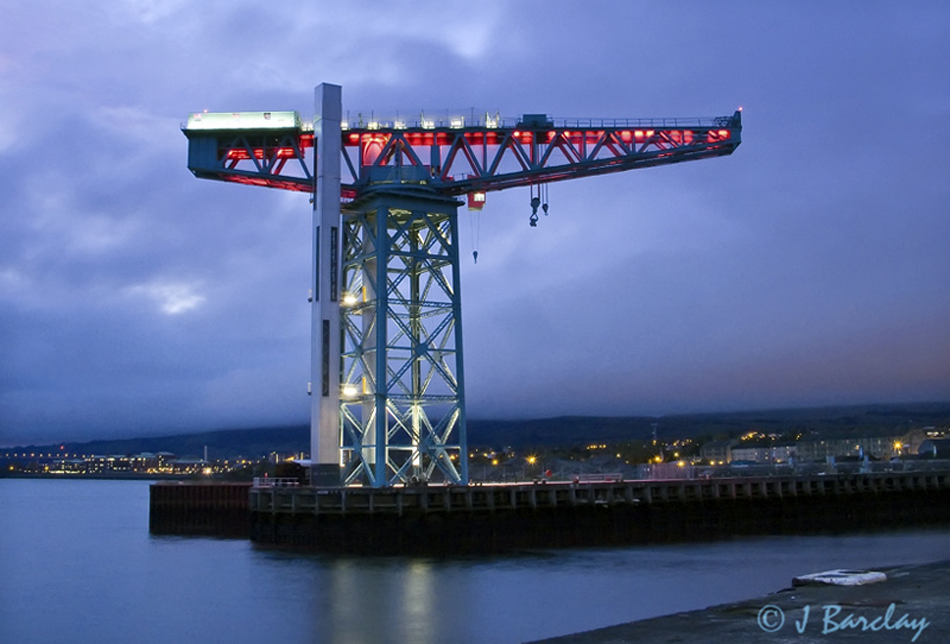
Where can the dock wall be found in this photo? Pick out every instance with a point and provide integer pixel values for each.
(495, 518)
(205, 508)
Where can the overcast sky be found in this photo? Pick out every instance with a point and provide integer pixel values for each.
(812, 267)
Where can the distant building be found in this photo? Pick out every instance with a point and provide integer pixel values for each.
(935, 448)
(750, 454)
(716, 452)
(764, 453)
(882, 444)
(933, 432)
(784, 453)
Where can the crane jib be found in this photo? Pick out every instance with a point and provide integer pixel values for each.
(450, 157)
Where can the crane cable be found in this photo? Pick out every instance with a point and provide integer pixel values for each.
(475, 225)
(538, 198)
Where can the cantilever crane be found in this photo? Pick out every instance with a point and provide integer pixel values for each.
(387, 379)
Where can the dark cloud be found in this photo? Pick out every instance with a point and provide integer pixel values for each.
(811, 267)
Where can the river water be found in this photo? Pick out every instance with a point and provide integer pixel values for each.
(77, 564)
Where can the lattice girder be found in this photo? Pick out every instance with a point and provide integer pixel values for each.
(402, 412)
(495, 156)
(455, 157)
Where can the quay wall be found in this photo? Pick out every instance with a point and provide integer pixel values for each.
(437, 520)
(199, 508)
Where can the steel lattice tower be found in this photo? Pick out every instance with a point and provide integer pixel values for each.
(402, 404)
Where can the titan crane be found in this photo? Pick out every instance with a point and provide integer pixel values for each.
(387, 389)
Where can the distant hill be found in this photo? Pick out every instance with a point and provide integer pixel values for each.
(227, 443)
(546, 432)
(824, 420)
(577, 430)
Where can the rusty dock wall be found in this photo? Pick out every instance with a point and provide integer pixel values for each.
(495, 518)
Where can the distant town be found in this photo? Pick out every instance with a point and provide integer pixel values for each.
(141, 465)
(644, 458)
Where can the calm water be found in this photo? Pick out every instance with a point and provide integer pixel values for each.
(77, 564)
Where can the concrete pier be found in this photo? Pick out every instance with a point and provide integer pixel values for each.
(909, 606)
(495, 518)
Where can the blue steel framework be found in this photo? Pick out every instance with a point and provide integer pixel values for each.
(399, 387)
(402, 403)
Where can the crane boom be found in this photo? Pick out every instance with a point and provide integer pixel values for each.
(450, 157)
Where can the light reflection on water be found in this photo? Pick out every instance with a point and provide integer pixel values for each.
(77, 563)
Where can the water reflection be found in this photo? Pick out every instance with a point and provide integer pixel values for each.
(355, 601)
(418, 605)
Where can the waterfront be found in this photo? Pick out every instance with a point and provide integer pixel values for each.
(77, 563)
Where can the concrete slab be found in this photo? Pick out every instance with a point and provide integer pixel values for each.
(912, 605)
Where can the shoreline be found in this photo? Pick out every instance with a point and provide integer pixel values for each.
(910, 606)
(189, 478)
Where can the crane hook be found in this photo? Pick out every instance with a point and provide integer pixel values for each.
(533, 220)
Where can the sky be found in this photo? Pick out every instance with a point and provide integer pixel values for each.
(810, 268)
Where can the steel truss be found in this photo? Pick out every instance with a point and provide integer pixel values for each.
(402, 405)
(253, 158)
(483, 158)
(462, 159)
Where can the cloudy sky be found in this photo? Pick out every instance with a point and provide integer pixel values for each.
(812, 267)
